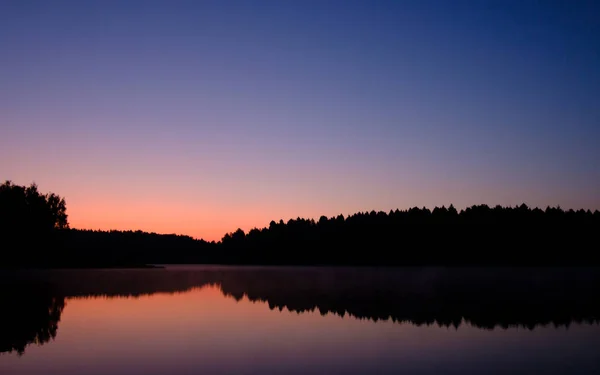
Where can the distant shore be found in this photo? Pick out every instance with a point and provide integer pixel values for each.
(36, 227)
(82, 267)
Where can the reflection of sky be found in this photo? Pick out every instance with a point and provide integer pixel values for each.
(201, 117)
(203, 332)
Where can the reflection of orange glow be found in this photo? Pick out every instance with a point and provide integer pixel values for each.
(201, 331)
(227, 323)
(200, 306)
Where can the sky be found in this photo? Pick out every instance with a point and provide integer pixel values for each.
(199, 117)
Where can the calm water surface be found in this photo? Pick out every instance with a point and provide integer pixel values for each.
(226, 320)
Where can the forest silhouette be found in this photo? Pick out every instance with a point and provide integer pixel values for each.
(37, 225)
(488, 298)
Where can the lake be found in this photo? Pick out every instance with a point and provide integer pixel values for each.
(184, 320)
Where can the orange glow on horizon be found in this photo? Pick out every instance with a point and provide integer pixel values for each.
(211, 210)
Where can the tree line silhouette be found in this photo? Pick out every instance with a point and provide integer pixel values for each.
(90, 248)
(487, 299)
(490, 298)
(35, 232)
(37, 225)
(478, 235)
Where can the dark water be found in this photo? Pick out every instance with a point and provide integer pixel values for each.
(227, 320)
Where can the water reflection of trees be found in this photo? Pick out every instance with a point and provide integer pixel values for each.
(29, 315)
(486, 298)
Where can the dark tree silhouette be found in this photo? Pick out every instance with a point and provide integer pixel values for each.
(35, 232)
(477, 235)
(29, 220)
(91, 248)
(25, 208)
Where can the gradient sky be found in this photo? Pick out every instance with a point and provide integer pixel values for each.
(199, 117)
